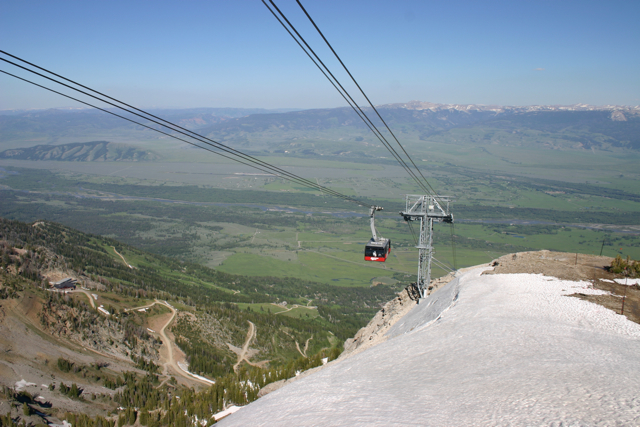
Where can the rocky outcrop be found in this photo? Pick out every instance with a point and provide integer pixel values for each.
(562, 265)
(375, 332)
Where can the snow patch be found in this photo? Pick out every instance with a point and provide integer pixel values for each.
(230, 410)
(20, 385)
(504, 349)
(629, 282)
(427, 311)
(185, 367)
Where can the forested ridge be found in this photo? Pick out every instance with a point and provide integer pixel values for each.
(29, 250)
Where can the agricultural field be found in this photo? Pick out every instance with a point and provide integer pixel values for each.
(318, 238)
(518, 183)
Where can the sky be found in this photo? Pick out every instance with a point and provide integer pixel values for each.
(235, 54)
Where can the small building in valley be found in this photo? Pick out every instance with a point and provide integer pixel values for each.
(65, 284)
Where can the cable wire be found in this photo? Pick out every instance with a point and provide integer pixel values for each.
(345, 94)
(147, 113)
(442, 265)
(289, 176)
(341, 90)
(254, 161)
(129, 120)
(413, 233)
(453, 246)
(365, 95)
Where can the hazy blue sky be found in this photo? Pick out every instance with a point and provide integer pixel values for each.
(233, 53)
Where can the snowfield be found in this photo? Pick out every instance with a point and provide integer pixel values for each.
(483, 350)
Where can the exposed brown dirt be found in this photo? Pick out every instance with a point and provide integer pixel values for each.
(170, 353)
(29, 353)
(245, 353)
(567, 266)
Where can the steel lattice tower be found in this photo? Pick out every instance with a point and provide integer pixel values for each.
(426, 209)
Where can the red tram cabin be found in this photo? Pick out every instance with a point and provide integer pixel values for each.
(377, 251)
(377, 248)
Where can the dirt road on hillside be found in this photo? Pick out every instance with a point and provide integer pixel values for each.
(306, 347)
(167, 351)
(120, 255)
(93, 304)
(245, 353)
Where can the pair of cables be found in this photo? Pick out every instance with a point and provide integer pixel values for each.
(418, 177)
(170, 128)
(420, 180)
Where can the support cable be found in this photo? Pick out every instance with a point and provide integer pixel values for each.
(364, 94)
(341, 90)
(251, 159)
(413, 233)
(132, 121)
(315, 185)
(453, 246)
(346, 198)
(345, 94)
(279, 172)
(442, 265)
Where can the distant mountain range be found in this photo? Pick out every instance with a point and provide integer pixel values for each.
(577, 126)
(419, 105)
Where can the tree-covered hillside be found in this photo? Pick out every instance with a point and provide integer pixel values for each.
(215, 310)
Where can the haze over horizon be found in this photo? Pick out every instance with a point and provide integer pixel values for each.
(218, 54)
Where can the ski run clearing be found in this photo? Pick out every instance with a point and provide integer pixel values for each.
(503, 349)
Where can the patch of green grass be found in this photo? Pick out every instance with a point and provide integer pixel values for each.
(264, 308)
(339, 269)
(302, 313)
(568, 239)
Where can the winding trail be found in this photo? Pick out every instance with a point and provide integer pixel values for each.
(120, 255)
(306, 345)
(313, 307)
(251, 335)
(168, 345)
(93, 304)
